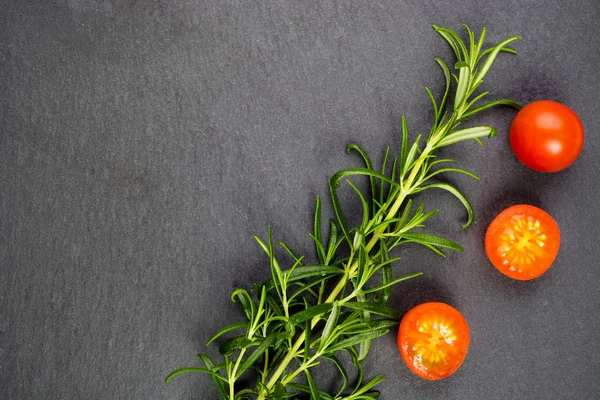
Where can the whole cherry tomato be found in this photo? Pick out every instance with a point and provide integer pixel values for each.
(522, 242)
(433, 340)
(546, 136)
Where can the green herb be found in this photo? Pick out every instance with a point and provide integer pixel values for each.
(307, 314)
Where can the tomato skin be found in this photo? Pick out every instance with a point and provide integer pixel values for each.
(431, 329)
(522, 242)
(546, 136)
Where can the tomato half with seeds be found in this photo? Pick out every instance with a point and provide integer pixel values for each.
(433, 340)
(522, 242)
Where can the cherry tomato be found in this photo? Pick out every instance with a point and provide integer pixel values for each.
(546, 136)
(433, 340)
(522, 242)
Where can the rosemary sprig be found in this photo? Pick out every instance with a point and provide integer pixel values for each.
(307, 314)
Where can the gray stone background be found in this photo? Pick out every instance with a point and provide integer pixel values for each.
(144, 143)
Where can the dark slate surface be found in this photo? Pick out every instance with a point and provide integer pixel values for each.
(144, 143)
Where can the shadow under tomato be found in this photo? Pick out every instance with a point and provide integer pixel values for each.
(436, 389)
(535, 85)
(513, 288)
(418, 291)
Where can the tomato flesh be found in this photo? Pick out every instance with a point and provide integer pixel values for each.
(522, 242)
(546, 136)
(433, 340)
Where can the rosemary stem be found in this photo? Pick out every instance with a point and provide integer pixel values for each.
(284, 363)
(405, 191)
(233, 372)
(266, 368)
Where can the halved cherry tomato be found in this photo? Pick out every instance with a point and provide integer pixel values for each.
(546, 136)
(433, 340)
(522, 242)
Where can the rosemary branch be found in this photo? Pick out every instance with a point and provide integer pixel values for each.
(285, 326)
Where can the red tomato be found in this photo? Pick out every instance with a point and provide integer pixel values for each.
(433, 340)
(522, 242)
(546, 136)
